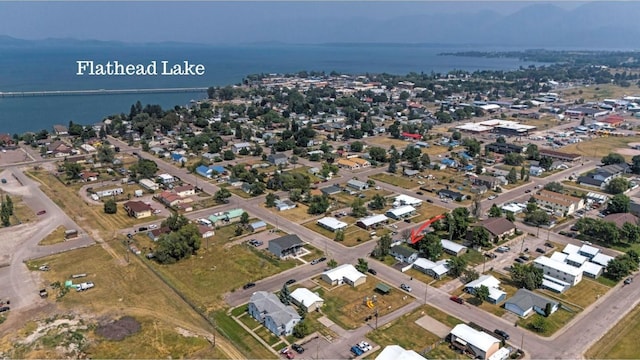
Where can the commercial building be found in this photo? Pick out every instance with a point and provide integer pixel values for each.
(557, 202)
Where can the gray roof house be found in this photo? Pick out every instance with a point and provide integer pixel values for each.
(267, 309)
(285, 245)
(404, 254)
(525, 301)
(331, 190)
(277, 159)
(357, 185)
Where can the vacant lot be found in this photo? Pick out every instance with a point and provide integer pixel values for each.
(621, 341)
(298, 214)
(403, 182)
(344, 304)
(56, 236)
(127, 289)
(405, 332)
(386, 142)
(427, 211)
(600, 146)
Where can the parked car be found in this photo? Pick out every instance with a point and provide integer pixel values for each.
(314, 261)
(520, 260)
(299, 349)
(42, 212)
(405, 287)
(574, 228)
(289, 355)
(407, 220)
(356, 350)
(540, 250)
(4, 308)
(459, 300)
(143, 228)
(527, 191)
(628, 281)
(501, 333)
(372, 272)
(524, 257)
(490, 255)
(526, 250)
(365, 346)
(429, 201)
(503, 249)
(153, 226)
(289, 282)
(249, 285)
(548, 244)
(419, 193)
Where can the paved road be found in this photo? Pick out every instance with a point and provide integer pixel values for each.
(570, 342)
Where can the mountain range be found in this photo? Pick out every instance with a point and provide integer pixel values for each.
(590, 25)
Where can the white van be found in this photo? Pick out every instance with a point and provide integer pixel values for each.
(205, 222)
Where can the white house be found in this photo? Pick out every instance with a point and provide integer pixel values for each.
(404, 254)
(406, 200)
(148, 184)
(331, 223)
(236, 148)
(346, 273)
(525, 302)
(452, 248)
(480, 344)
(495, 294)
(286, 204)
(434, 269)
(306, 299)
(401, 212)
(372, 221)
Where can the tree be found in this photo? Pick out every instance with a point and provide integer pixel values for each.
(332, 263)
(72, 170)
(480, 236)
(554, 186)
(470, 275)
(222, 195)
(9, 204)
(4, 215)
(522, 173)
(456, 266)
(300, 330)
(393, 166)
(619, 203)
(532, 152)
(512, 177)
(144, 168)
(228, 155)
(482, 293)
(356, 146)
(613, 158)
(178, 244)
(339, 235)
(501, 140)
(513, 159)
(430, 247)
(175, 222)
(382, 247)
(472, 145)
(357, 208)
(378, 154)
(244, 218)
(294, 160)
(495, 211)
(476, 207)
(537, 217)
(458, 221)
(539, 324)
(527, 276)
(618, 185)
(510, 216)
(110, 207)
(285, 295)
(630, 232)
(378, 202)
(362, 265)
(318, 204)
(635, 164)
(270, 200)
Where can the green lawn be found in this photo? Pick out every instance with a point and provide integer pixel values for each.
(621, 341)
(427, 211)
(396, 180)
(242, 340)
(582, 295)
(441, 316)
(554, 322)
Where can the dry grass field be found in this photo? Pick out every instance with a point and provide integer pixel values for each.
(620, 341)
(601, 146)
(56, 236)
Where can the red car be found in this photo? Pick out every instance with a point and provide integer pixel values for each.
(42, 212)
(459, 300)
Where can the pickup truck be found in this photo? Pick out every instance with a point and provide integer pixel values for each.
(85, 286)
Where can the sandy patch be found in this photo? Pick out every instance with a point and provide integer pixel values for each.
(629, 152)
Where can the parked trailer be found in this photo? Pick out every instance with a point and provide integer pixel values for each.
(70, 234)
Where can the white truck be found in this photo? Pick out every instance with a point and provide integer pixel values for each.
(84, 286)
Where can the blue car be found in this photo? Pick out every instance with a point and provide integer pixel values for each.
(356, 350)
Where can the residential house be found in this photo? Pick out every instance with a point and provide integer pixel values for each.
(185, 190)
(342, 274)
(206, 231)
(372, 221)
(491, 182)
(88, 176)
(278, 159)
(452, 248)
(59, 149)
(603, 175)
(306, 300)
(361, 162)
(525, 302)
(286, 204)
(288, 245)
(357, 185)
(403, 199)
(499, 227)
(332, 224)
(331, 190)
(479, 190)
(397, 352)
(236, 148)
(60, 130)
(479, 344)
(179, 158)
(436, 269)
(536, 171)
(166, 179)
(137, 209)
(495, 294)
(345, 163)
(401, 212)
(227, 216)
(267, 309)
(204, 171)
(621, 218)
(258, 226)
(169, 198)
(404, 254)
(557, 202)
(453, 195)
(409, 136)
(148, 185)
(155, 234)
(449, 162)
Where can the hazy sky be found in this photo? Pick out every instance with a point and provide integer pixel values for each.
(212, 22)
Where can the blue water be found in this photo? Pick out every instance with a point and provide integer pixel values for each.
(54, 68)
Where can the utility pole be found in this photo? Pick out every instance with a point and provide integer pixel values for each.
(376, 319)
